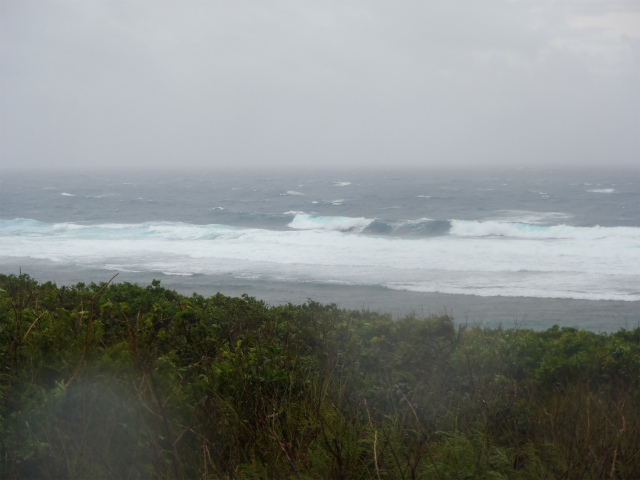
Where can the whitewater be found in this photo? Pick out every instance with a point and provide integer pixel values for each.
(514, 234)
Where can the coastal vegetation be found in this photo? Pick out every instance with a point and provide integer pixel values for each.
(115, 380)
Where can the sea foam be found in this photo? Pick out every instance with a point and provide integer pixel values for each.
(302, 221)
(479, 258)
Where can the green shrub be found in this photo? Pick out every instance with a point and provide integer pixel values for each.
(122, 381)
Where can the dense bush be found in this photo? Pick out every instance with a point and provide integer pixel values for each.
(122, 381)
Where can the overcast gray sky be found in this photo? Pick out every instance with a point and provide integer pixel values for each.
(309, 83)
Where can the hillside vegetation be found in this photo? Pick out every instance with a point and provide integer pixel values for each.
(122, 381)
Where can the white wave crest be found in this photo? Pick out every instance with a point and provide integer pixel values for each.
(480, 258)
(602, 190)
(466, 228)
(527, 216)
(303, 221)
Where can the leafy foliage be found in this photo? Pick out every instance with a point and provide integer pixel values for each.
(123, 381)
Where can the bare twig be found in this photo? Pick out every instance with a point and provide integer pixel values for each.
(32, 325)
(620, 432)
(413, 465)
(375, 437)
(414, 414)
(277, 438)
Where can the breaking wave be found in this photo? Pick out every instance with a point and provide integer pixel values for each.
(457, 256)
(464, 228)
(302, 221)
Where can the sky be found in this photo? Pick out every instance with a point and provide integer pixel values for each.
(319, 83)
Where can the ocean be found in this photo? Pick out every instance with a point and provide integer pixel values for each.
(512, 247)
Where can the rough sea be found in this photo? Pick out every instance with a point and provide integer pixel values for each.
(527, 248)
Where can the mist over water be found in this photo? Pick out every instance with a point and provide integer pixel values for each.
(518, 233)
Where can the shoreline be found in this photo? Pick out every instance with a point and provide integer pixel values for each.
(509, 312)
